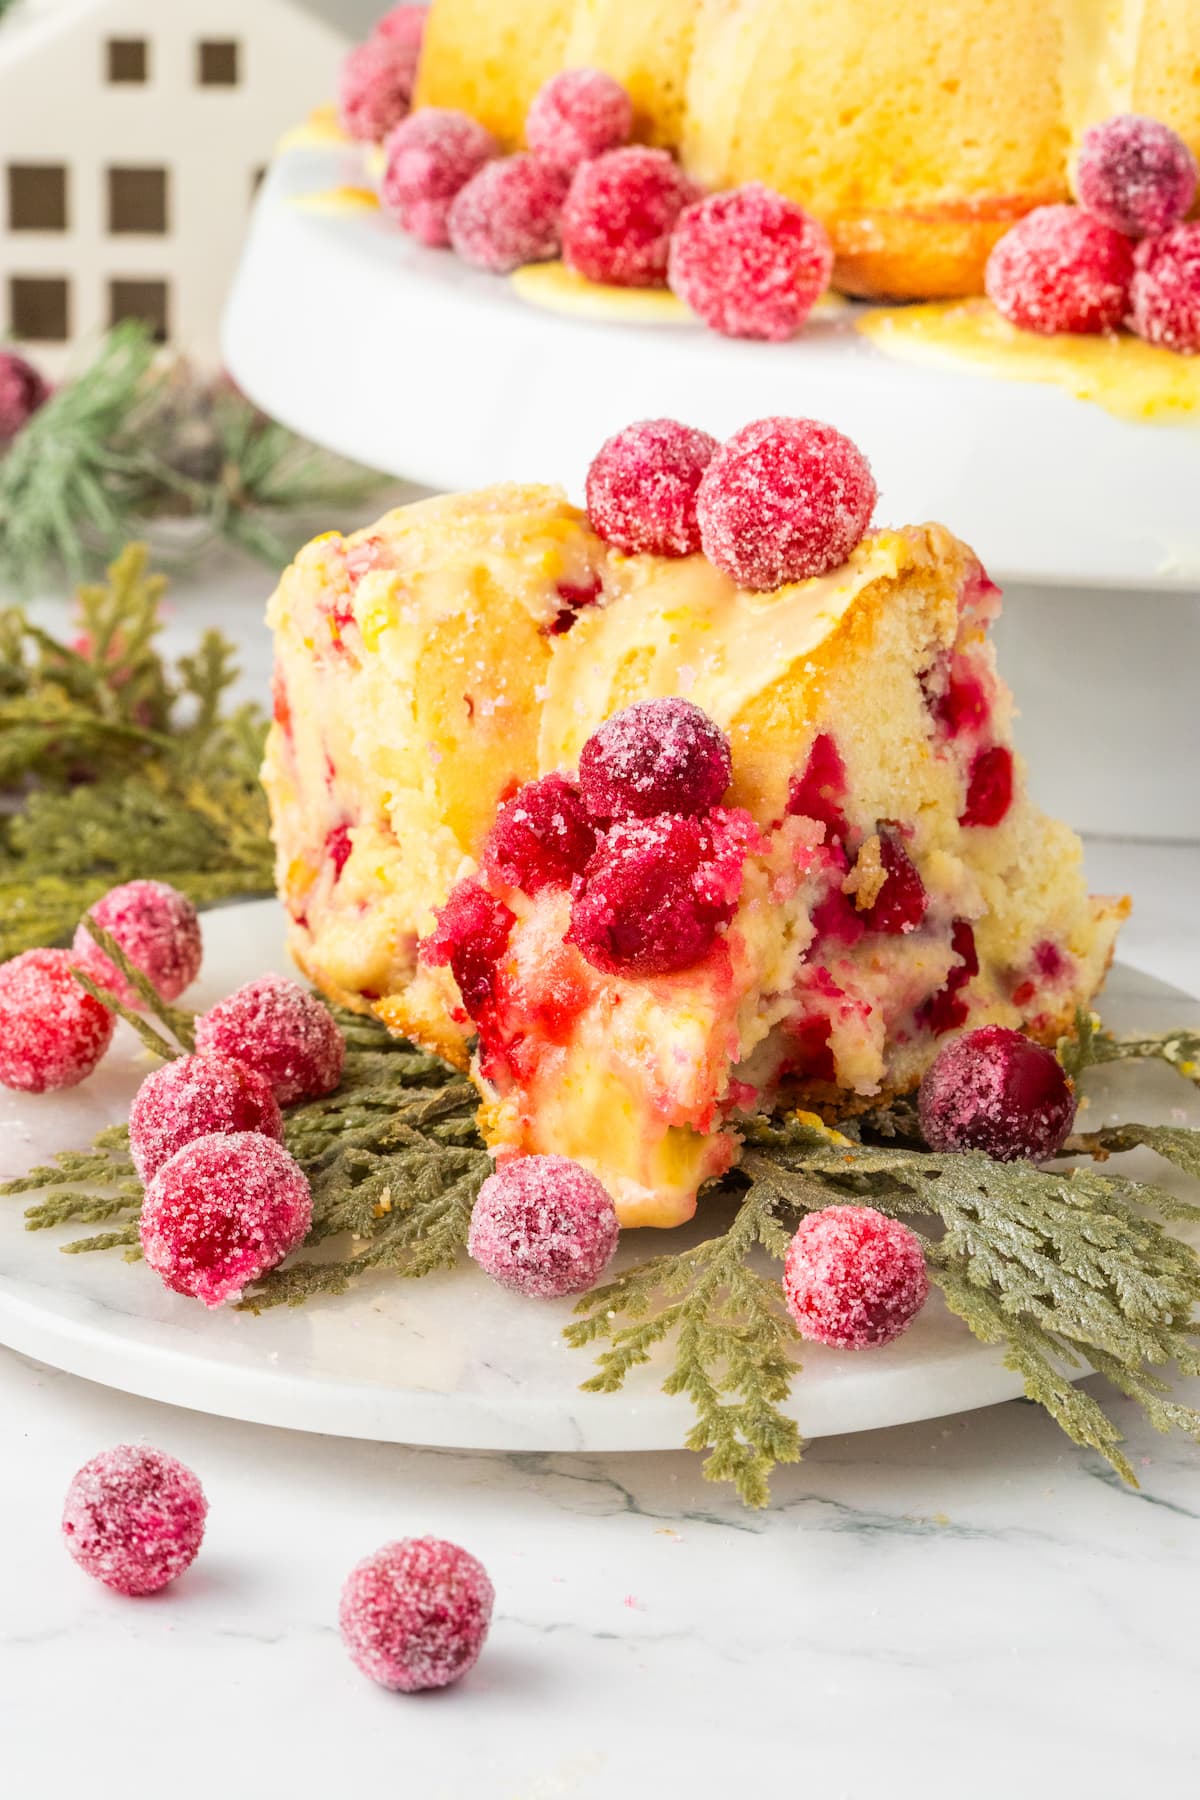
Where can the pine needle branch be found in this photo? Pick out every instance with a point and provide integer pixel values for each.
(138, 435)
(116, 765)
(1090, 1045)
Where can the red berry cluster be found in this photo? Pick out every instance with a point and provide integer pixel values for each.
(224, 1202)
(446, 182)
(653, 862)
(749, 263)
(52, 1031)
(1122, 256)
(781, 500)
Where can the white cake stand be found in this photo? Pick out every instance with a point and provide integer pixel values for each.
(409, 361)
(450, 1360)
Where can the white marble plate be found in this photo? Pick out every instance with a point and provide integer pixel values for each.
(450, 1360)
(404, 357)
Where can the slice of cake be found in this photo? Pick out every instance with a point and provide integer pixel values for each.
(652, 852)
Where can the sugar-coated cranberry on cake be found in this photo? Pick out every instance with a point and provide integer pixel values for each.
(651, 851)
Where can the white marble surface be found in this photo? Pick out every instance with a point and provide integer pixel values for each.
(965, 1606)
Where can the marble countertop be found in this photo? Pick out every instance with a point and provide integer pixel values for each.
(959, 1606)
(963, 1606)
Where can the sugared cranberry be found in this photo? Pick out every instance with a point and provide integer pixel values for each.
(900, 904)
(1059, 269)
(508, 214)
(1166, 290)
(52, 1032)
(282, 1030)
(657, 891)
(946, 1010)
(375, 88)
(750, 263)
(471, 936)
(819, 791)
(193, 1097)
(854, 1279)
(158, 929)
(996, 1091)
(403, 25)
(1135, 175)
(134, 1518)
(22, 392)
(542, 836)
(782, 500)
(641, 487)
(656, 756)
(577, 115)
(989, 787)
(221, 1212)
(619, 216)
(543, 1226)
(416, 1614)
(429, 158)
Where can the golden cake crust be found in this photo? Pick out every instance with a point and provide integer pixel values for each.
(916, 133)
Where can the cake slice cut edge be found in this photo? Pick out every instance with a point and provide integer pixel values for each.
(889, 879)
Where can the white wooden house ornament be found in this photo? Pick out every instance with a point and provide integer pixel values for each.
(133, 134)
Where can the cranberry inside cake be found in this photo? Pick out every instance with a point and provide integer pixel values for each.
(785, 881)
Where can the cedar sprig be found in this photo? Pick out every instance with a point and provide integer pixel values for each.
(1089, 1045)
(732, 1340)
(115, 764)
(1062, 1270)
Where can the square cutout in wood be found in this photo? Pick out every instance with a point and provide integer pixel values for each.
(37, 197)
(39, 308)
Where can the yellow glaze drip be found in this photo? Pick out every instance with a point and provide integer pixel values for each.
(338, 200)
(1128, 378)
(689, 630)
(319, 129)
(556, 288)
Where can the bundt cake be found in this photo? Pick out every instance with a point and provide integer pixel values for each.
(917, 133)
(863, 873)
